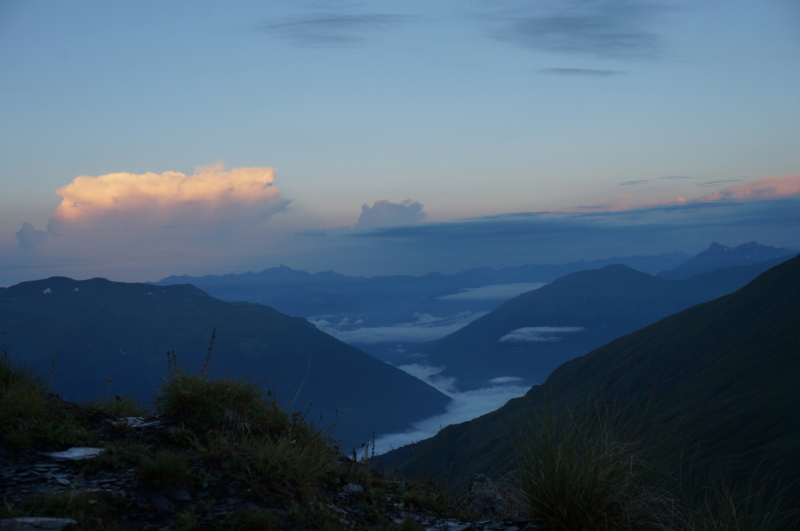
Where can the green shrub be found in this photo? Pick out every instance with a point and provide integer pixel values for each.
(203, 405)
(283, 466)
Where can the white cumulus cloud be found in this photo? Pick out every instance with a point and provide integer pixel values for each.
(212, 192)
(383, 213)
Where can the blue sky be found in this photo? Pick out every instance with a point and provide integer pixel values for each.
(465, 111)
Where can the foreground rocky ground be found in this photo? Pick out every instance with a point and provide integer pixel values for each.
(106, 485)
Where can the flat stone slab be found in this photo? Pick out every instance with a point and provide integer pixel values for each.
(36, 524)
(75, 454)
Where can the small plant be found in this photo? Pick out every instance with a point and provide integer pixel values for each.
(118, 406)
(83, 507)
(122, 454)
(184, 521)
(64, 432)
(166, 468)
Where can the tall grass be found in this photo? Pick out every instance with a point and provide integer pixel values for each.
(23, 402)
(576, 472)
(592, 468)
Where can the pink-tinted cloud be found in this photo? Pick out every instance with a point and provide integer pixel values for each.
(211, 193)
(770, 187)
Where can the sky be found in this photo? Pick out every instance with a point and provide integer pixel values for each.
(141, 140)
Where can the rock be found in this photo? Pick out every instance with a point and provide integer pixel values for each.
(75, 454)
(160, 502)
(352, 488)
(36, 524)
(178, 495)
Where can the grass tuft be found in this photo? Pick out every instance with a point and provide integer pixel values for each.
(166, 468)
(574, 472)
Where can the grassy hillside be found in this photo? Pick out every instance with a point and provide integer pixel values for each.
(604, 304)
(110, 337)
(722, 374)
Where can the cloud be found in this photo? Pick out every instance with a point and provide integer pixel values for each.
(463, 406)
(602, 28)
(425, 328)
(715, 183)
(631, 183)
(137, 222)
(586, 72)
(157, 198)
(29, 237)
(382, 213)
(538, 333)
(497, 291)
(504, 380)
(770, 187)
(331, 29)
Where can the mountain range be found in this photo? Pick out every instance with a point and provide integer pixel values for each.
(724, 372)
(111, 338)
(527, 337)
(717, 256)
(354, 303)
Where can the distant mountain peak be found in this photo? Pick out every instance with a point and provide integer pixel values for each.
(718, 256)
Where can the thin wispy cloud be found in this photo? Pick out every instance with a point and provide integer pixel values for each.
(331, 29)
(716, 183)
(494, 292)
(538, 334)
(632, 183)
(770, 187)
(617, 29)
(585, 72)
(426, 327)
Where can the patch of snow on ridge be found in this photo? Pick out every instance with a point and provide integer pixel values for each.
(538, 333)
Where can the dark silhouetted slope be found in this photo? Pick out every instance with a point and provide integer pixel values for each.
(727, 370)
(99, 329)
(593, 307)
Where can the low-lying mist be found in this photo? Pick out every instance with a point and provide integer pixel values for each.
(463, 407)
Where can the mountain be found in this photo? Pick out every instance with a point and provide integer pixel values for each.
(726, 370)
(530, 335)
(99, 330)
(718, 256)
(351, 303)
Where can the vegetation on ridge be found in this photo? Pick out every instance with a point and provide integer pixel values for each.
(215, 434)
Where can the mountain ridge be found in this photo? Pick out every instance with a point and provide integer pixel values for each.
(728, 368)
(110, 337)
